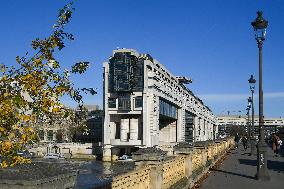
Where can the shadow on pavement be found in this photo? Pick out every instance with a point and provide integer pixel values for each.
(281, 151)
(271, 164)
(248, 162)
(232, 173)
(275, 165)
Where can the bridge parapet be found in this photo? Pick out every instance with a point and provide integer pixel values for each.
(155, 171)
(138, 179)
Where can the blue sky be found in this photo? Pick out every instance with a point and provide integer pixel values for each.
(210, 41)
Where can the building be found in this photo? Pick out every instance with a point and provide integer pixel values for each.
(95, 126)
(225, 122)
(145, 106)
(62, 129)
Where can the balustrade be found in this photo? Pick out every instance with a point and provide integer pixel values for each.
(189, 164)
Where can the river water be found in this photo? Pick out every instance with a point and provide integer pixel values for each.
(97, 173)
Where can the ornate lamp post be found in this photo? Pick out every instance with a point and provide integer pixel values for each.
(252, 139)
(260, 25)
(248, 123)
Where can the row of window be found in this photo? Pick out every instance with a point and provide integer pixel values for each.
(49, 135)
(124, 102)
(168, 109)
(179, 88)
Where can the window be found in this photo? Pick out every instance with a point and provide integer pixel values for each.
(138, 102)
(112, 102)
(126, 73)
(124, 102)
(41, 134)
(168, 109)
(117, 130)
(50, 135)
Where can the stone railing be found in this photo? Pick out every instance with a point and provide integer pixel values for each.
(155, 171)
(173, 171)
(137, 179)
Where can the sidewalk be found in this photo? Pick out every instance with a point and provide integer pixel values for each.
(239, 169)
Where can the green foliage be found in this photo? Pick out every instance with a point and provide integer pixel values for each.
(80, 67)
(197, 172)
(208, 162)
(234, 129)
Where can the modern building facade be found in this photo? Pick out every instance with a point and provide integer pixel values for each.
(224, 123)
(145, 106)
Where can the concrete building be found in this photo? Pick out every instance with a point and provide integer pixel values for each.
(145, 106)
(224, 123)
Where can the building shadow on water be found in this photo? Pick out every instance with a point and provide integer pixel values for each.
(232, 173)
(271, 164)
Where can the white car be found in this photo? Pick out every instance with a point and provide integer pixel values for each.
(54, 156)
(125, 158)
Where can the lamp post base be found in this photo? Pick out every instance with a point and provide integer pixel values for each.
(252, 147)
(262, 172)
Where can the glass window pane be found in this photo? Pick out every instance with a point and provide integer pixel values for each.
(138, 102)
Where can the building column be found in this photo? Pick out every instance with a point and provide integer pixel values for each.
(201, 126)
(124, 130)
(112, 130)
(172, 132)
(180, 125)
(45, 135)
(145, 117)
(196, 128)
(207, 130)
(107, 153)
(54, 135)
(133, 129)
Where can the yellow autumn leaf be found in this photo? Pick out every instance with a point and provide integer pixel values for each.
(33, 88)
(6, 94)
(2, 129)
(6, 146)
(4, 164)
(26, 117)
(12, 135)
(28, 129)
(24, 138)
(55, 110)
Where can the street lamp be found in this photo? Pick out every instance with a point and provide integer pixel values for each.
(260, 25)
(248, 122)
(252, 140)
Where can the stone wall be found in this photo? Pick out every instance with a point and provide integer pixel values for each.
(173, 171)
(70, 150)
(181, 171)
(138, 179)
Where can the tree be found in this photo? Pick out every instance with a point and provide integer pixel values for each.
(31, 91)
(236, 129)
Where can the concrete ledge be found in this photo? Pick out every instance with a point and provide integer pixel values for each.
(83, 156)
(126, 143)
(39, 175)
(63, 181)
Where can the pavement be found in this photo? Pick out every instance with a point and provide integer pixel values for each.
(238, 171)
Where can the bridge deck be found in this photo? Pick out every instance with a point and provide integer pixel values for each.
(238, 170)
